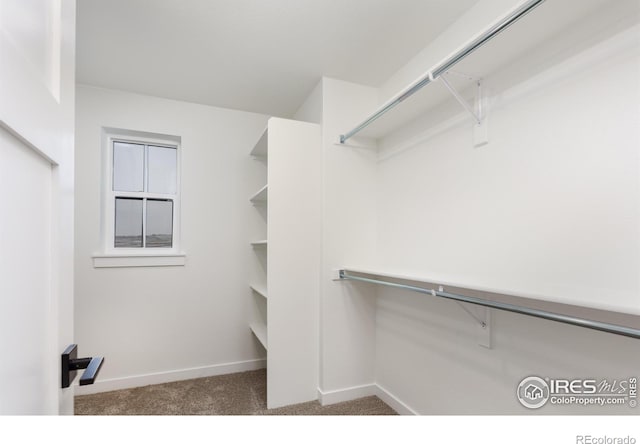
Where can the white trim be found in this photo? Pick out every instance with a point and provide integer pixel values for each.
(361, 391)
(346, 394)
(108, 385)
(141, 260)
(392, 401)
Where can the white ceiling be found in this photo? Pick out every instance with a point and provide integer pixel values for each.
(263, 56)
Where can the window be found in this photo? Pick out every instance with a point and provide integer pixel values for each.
(141, 199)
(144, 189)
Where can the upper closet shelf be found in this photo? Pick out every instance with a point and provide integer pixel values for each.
(431, 76)
(260, 149)
(477, 60)
(261, 196)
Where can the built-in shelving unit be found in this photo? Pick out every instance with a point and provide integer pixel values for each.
(284, 282)
(258, 318)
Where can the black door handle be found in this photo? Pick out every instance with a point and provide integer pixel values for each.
(70, 365)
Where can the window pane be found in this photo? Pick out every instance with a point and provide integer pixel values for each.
(128, 223)
(128, 166)
(162, 170)
(159, 223)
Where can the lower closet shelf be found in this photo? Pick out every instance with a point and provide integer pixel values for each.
(260, 331)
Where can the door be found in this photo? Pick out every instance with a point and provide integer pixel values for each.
(37, 44)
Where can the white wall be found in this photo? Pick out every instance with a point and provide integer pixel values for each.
(169, 319)
(347, 316)
(550, 207)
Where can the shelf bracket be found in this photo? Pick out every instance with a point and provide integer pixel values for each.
(481, 322)
(477, 111)
(482, 316)
(454, 92)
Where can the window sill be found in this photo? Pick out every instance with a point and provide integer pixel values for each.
(138, 260)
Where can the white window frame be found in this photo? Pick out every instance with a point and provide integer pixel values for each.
(110, 256)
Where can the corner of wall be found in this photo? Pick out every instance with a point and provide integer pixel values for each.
(311, 108)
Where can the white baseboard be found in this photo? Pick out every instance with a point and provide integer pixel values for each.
(361, 391)
(392, 401)
(108, 385)
(346, 394)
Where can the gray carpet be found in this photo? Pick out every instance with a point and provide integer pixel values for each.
(235, 394)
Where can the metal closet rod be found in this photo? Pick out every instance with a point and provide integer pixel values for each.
(587, 323)
(446, 65)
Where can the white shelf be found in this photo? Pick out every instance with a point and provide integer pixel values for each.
(260, 148)
(526, 47)
(520, 302)
(510, 295)
(258, 325)
(446, 281)
(261, 196)
(259, 290)
(283, 283)
(260, 331)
